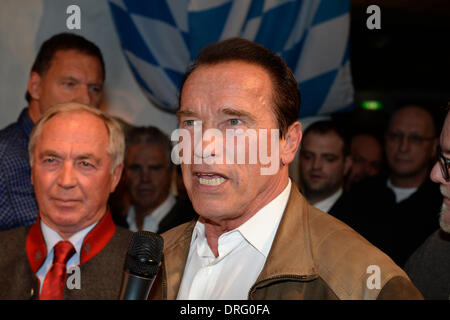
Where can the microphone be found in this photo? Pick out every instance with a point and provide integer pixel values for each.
(141, 265)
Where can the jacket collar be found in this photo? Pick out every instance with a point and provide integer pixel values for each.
(93, 243)
(290, 255)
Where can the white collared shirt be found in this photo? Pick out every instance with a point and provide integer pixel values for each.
(152, 220)
(400, 193)
(242, 255)
(51, 238)
(326, 204)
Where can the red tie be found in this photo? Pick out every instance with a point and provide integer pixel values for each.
(55, 280)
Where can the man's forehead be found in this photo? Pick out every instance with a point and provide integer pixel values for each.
(314, 136)
(411, 117)
(230, 75)
(329, 141)
(75, 126)
(68, 61)
(146, 150)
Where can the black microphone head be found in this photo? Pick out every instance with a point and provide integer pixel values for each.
(144, 254)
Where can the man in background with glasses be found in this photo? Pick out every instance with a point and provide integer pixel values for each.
(411, 144)
(429, 266)
(401, 203)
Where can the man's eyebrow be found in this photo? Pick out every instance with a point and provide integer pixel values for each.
(238, 113)
(71, 78)
(49, 153)
(186, 113)
(328, 154)
(87, 156)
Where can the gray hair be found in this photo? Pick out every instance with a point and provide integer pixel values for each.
(116, 145)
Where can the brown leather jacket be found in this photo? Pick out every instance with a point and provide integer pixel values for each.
(313, 256)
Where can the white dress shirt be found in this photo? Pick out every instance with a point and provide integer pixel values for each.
(152, 220)
(400, 193)
(326, 204)
(242, 255)
(51, 238)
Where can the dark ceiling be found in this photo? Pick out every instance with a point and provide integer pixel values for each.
(406, 61)
(411, 50)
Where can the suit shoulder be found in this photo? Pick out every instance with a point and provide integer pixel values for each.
(122, 237)
(15, 238)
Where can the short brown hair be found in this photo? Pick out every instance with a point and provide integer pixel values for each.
(286, 94)
(64, 41)
(323, 127)
(149, 135)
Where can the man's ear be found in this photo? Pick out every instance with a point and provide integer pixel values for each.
(291, 142)
(116, 175)
(34, 85)
(348, 162)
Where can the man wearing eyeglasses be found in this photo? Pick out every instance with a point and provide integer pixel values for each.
(429, 266)
(411, 144)
(406, 200)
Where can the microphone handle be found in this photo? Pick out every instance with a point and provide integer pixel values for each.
(135, 287)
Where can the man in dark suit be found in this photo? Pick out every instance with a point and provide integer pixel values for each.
(76, 155)
(324, 162)
(148, 177)
(401, 206)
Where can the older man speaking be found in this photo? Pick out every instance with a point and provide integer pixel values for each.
(257, 237)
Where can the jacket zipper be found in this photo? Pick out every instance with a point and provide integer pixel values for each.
(284, 277)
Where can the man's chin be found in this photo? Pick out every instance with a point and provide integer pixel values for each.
(211, 210)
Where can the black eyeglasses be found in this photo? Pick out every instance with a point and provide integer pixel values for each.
(445, 163)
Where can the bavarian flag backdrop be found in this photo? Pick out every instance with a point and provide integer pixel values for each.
(160, 38)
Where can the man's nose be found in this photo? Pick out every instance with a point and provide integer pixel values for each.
(317, 163)
(436, 174)
(83, 96)
(206, 146)
(145, 175)
(67, 176)
(404, 144)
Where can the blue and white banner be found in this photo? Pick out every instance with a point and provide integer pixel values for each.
(160, 39)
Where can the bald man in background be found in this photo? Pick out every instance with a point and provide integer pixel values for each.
(402, 205)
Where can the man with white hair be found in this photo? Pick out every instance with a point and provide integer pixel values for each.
(429, 266)
(76, 157)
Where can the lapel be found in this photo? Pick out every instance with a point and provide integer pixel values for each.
(291, 252)
(175, 255)
(93, 243)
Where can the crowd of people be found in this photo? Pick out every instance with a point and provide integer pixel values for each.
(75, 183)
(381, 188)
